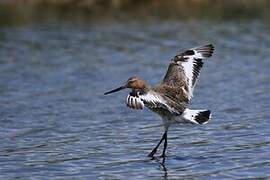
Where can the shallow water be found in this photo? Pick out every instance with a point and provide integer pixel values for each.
(56, 122)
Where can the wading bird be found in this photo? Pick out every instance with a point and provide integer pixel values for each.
(170, 98)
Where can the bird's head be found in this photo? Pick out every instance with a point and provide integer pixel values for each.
(132, 83)
(135, 83)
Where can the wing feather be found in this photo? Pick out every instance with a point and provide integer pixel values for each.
(150, 99)
(186, 67)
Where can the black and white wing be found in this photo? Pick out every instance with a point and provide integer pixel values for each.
(134, 101)
(185, 67)
(138, 100)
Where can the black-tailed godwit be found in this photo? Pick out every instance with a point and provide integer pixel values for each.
(170, 98)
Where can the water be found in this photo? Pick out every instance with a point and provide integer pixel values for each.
(56, 123)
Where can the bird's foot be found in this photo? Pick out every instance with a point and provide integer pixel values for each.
(151, 154)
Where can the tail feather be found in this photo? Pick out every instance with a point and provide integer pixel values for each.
(197, 116)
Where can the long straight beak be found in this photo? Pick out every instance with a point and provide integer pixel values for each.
(115, 90)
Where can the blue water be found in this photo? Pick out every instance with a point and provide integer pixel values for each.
(56, 123)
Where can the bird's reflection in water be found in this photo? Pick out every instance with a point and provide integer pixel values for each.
(162, 165)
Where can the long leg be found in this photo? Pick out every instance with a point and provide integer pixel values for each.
(155, 149)
(165, 145)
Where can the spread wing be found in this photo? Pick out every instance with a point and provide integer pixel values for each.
(154, 101)
(185, 68)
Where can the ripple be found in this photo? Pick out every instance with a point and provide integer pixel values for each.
(55, 122)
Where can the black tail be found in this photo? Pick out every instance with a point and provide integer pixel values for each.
(202, 117)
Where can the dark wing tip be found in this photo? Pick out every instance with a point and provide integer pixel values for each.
(206, 50)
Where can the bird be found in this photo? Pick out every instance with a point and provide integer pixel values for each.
(170, 98)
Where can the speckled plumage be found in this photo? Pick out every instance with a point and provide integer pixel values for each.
(170, 98)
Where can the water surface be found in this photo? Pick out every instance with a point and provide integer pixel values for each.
(56, 122)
